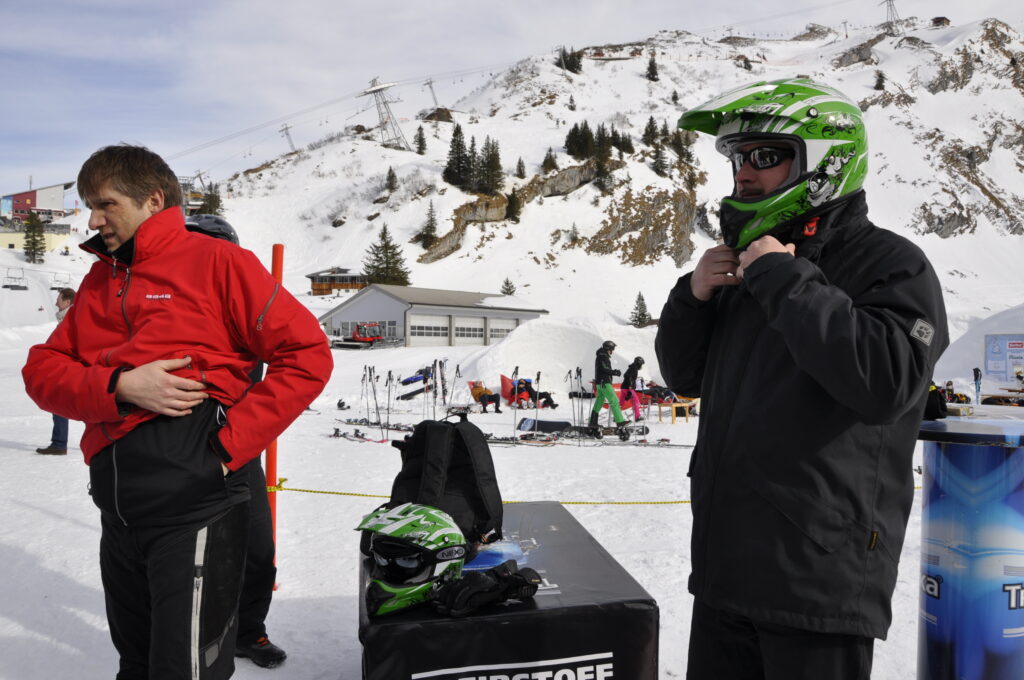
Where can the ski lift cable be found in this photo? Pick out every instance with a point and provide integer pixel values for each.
(316, 107)
(777, 15)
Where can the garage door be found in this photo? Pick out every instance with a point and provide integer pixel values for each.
(500, 328)
(427, 330)
(469, 330)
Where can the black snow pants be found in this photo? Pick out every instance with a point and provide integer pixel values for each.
(260, 571)
(172, 595)
(727, 645)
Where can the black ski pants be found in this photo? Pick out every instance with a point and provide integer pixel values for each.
(260, 571)
(172, 595)
(726, 646)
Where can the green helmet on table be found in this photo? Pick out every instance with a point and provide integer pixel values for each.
(415, 549)
(823, 129)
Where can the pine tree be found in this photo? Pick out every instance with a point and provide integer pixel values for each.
(491, 174)
(570, 60)
(659, 164)
(211, 204)
(473, 175)
(456, 172)
(879, 80)
(513, 207)
(420, 140)
(640, 317)
(572, 103)
(391, 183)
(507, 288)
(384, 262)
(550, 164)
(664, 129)
(521, 169)
(572, 140)
(650, 132)
(652, 69)
(602, 143)
(587, 143)
(675, 97)
(35, 240)
(427, 236)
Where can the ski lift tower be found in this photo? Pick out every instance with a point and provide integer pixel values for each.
(390, 134)
(892, 18)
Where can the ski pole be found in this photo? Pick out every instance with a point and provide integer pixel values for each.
(388, 385)
(433, 380)
(536, 403)
(364, 404)
(512, 406)
(373, 386)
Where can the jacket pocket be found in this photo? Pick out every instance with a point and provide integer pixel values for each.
(828, 528)
(166, 468)
(102, 480)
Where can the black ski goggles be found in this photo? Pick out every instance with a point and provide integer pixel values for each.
(399, 562)
(760, 157)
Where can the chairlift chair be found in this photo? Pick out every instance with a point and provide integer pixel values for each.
(15, 279)
(60, 281)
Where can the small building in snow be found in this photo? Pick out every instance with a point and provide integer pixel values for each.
(328, 281)
(428, 317)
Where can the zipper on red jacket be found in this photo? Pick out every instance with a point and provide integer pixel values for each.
(259, 319)
(117, 505)
(121, 294)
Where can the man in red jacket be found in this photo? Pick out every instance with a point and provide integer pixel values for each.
(154, 358)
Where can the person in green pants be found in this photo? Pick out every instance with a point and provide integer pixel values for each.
(603, 373)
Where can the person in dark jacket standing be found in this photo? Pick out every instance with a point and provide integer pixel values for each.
(154, 357)
(810, 336)
(628, 390)
(59, 435)
(260, 573)
(604, 392)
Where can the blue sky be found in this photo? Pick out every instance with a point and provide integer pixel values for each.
(173, 76)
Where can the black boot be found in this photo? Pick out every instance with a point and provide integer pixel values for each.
(593, 429)
(261, 652)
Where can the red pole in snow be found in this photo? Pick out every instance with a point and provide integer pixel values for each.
(277, 270)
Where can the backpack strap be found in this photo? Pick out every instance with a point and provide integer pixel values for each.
(488, 528)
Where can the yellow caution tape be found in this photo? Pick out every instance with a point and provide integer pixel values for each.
(281, 487)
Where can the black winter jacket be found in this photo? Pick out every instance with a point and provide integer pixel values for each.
(813, 375)
(603, 371)
(629, 377)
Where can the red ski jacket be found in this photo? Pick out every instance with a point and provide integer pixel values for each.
(184, 294)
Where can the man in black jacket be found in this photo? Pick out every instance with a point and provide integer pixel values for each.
(810, 337)
(603, 390)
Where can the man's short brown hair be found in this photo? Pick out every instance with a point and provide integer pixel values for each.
(67, 294)
(134, 171)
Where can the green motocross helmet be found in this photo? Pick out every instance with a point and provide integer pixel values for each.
(824, 131)
(414, 549)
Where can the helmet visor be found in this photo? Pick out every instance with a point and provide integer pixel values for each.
(761, 157)
(400, 562)
(764, 152)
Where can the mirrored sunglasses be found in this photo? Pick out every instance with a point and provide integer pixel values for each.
(761, 157)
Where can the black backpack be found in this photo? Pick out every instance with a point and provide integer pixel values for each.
(448, 466)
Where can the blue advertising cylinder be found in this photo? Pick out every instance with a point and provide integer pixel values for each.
(972, 551)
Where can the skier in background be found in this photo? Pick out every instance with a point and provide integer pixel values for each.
(604, 392)
(628, 389)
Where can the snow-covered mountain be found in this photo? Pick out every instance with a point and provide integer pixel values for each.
(946, 135)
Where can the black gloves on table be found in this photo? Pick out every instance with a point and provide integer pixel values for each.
(479, 588)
